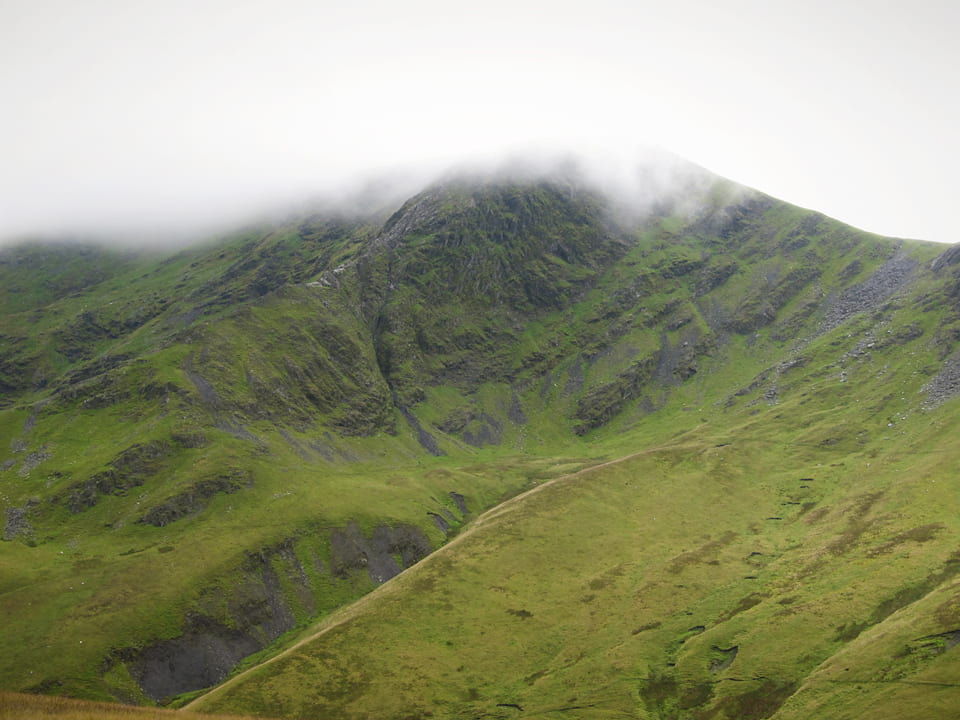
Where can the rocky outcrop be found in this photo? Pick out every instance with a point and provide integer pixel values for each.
(196, 497)
(201, 657)
(887, 280)
(387, 551)
(945, 385)
(131, 468)
(272, 592)
(257, 611)
(601, 403)
(17, 522)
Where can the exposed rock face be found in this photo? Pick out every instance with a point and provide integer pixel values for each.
(262, 605)
(888, 279)
(945, 385)
(32, 461)
(17, 523)
(201, 657)
(460, 501)
(196, 497)
(604, 401)
(384, 554)
(214, 640)
(427, 441)
(129, 469)
(479, 428)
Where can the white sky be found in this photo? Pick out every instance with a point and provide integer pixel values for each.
(120, 114)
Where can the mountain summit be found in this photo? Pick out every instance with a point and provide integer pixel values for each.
(677, 449)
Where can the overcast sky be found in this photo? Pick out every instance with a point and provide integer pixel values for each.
(134, 115)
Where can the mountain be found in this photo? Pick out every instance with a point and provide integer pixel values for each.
(685, 453)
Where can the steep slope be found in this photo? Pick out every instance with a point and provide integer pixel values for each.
(205, 451)
(229, 441)
(460, 269)
(686, 581)
(791, 552)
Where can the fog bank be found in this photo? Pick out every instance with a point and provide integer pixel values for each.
(134, 118)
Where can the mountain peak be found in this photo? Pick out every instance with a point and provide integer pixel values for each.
(625, 193)
(206, 449)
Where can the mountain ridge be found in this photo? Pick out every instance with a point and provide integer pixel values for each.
(350, 392)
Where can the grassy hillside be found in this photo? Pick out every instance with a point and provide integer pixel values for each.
(767, 564)
(36, 707)
(203, 454)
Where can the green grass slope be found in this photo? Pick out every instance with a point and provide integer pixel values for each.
(762, 564)
(18, 706)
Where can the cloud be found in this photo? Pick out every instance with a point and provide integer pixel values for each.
(130, 116)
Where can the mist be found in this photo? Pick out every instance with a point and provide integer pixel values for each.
(151, 124)
(166, 217)
(173, 217)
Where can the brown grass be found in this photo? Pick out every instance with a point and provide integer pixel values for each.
(42, 707)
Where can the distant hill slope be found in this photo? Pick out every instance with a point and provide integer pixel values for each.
(205, 451)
